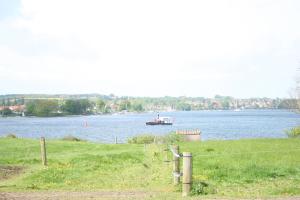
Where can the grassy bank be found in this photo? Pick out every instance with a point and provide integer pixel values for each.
(242, 168)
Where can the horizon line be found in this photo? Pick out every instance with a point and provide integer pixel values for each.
(134, 96)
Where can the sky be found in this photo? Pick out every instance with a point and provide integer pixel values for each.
(153, 48)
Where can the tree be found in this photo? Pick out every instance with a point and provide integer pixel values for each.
(46, 108)
(75, 107)
(8, 102)
(183, 106)
(30, 107)
(22, 101)
(42, 108)
(100, 104)
(6, 112)
(107, 109)
(124, 105)
(138, 107)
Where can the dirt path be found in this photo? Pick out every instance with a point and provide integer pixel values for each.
(72, 195)
(101, 195)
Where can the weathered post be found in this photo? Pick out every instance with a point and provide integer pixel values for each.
(43, 151)
(187, 173)
(176, 165)
(116, 140)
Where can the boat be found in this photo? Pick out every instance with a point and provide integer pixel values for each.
(160, 121)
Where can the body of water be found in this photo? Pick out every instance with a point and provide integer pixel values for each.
(103, 128)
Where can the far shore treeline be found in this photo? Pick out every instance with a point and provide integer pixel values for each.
(88, 104)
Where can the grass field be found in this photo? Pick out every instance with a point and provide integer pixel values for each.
(241, 168)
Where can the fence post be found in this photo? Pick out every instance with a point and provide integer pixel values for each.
(116, 140)
(187, 173)
(43, 151)
(176, 164)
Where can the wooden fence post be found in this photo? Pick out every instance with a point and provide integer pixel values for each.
(43, 151)
(116, 140)
(187, 173)
(176, 164)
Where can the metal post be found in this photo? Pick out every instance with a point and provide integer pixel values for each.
(187, 173)
(176, 164)
(43, 151)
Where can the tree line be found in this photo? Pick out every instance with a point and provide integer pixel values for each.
(86, 105)
(49, 107)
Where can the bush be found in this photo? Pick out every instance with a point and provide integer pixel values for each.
(141, 139)
(202, 188)
(294, 132)
(170, 138)
(71, 138)
(6, 112)
(11, 135)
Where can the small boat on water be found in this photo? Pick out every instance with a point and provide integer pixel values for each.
(160, 121)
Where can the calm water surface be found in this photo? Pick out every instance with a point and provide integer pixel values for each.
(213, 124)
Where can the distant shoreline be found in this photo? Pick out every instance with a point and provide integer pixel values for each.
(162, 111)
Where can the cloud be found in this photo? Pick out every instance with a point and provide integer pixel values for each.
(155, 44)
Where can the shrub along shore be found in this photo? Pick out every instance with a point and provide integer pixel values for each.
(246, 168)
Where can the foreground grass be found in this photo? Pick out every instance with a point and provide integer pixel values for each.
(246, 168)
(80, 166)
(242, 168)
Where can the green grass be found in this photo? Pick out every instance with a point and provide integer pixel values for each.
(241, 168)
(80, 166)
(293, 132)
(246, 168)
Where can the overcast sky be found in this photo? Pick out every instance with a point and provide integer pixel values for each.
(150, 48)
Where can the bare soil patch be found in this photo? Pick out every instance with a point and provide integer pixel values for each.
(7, 172)
(72, 195)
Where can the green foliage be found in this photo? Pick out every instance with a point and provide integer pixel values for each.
(294, 132)
(100, 104)
(142, 139)
(11, 135)
(8, 102)
(235, 168)
(240, 169)
(183, 106)
(172, 138)
(80, 166)
(125, 105)
(202, 188)
(288, 104)
(137, 107)
(71, 138)
(6, 112)
(42, 108)
(77, 106)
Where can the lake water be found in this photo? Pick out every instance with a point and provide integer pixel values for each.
(103, 128)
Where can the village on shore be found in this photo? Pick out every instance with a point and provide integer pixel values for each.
(87, 104)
